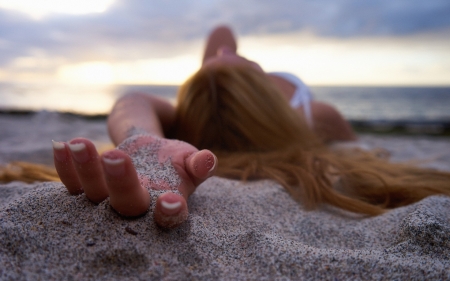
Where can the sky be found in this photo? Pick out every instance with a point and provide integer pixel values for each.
(325, 42)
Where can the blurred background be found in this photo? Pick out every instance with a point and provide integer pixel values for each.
(383, 62)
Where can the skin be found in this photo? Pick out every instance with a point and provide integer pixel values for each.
(329, 124)
(113, 175)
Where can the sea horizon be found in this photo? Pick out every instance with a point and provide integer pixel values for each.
(382, 106)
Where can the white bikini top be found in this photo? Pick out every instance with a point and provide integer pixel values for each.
(302, 95)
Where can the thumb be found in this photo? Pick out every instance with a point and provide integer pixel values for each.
(201, 165)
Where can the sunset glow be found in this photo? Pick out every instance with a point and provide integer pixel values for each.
(40, 8)
(170, 71)
(384, 61)
(108, 42)
(378, 61)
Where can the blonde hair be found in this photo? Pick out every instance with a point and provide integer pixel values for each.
(27, 172)
(241, 116)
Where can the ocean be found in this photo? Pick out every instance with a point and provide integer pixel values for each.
(411, 109)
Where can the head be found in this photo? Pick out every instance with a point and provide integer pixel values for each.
(235, 111)
(234, 107)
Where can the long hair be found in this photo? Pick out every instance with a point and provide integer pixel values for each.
(240, 115)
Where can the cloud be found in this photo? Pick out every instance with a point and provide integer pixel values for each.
(132, 29)
(344, 18)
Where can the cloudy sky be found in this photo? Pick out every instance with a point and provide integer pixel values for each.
(326, 42)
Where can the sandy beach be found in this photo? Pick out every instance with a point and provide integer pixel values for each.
(235, 230)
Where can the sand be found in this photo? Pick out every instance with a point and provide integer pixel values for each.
(235, 230)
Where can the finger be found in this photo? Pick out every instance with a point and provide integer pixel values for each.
(87, 165)
(201, 165)
(65, 168)
(127, 196)
(170, 210)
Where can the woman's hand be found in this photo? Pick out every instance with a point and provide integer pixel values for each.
(126, 174)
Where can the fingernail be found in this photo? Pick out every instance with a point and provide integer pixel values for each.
(75, 147)
(211, 161)
(170, 208)
(58, 145)
(114, 165)
(59, 151)
(79, 152)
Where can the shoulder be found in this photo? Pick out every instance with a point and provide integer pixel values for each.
(324, 113)
(329, 123)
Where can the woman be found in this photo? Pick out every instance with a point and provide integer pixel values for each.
(260, 125)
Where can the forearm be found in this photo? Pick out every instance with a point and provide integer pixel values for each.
(139, 112)
(221, 36)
